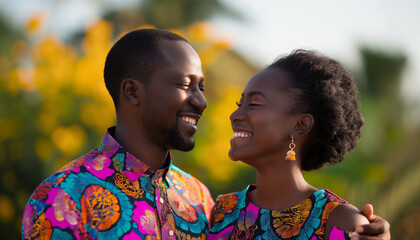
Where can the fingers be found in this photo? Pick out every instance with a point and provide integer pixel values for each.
(377, 229)
(381, 237)
(368, 238)
(367, 210)
(374, 228)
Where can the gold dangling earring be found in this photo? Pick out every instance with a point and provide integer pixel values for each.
(291, 154)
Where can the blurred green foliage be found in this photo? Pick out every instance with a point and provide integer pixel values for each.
(54, 107)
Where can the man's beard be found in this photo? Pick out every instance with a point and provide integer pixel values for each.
(171, 137)
(177, 141)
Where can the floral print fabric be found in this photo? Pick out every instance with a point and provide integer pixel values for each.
(109, 194)
(235, 217)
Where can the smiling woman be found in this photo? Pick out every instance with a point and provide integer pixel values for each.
(305, 103)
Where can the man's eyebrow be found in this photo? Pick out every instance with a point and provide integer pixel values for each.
(199, 77)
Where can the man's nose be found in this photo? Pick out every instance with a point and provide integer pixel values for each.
(198, 100)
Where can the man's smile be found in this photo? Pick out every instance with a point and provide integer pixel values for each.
(190, 120)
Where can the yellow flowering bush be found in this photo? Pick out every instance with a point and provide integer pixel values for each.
(54, 107)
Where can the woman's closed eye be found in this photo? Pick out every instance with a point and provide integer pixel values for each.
(257, 101)
(250, 104)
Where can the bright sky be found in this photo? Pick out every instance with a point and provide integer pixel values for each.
(273, 27)
(335, 28)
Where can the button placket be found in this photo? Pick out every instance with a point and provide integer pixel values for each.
(163, 208)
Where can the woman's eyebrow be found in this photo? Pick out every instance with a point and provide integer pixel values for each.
(250, 94)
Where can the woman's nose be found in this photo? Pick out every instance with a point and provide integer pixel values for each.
(238, 114)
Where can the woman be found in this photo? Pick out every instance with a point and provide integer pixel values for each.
(298, 114)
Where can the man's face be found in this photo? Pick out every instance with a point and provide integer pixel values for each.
(174, 98)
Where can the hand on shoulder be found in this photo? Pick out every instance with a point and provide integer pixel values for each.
(346, 217)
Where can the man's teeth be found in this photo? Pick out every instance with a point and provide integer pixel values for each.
(241, 134)
(189, 120)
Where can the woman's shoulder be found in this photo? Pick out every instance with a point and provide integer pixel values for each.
(342, 214)
(228, 205)
(346, 217)
(226, 202)
(326, 201)
(330, 196)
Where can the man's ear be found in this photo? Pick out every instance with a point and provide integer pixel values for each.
(131, 90)
(304, 125)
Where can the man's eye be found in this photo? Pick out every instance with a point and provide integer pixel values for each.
(185, 86)
(201, 86)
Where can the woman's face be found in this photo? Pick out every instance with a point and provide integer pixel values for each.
(264, 120)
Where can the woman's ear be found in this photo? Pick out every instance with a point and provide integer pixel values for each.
(131, 91)
(303, 125)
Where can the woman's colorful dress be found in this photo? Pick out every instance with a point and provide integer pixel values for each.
(235, 217)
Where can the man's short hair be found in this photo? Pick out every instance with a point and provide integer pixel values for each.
(136, 55)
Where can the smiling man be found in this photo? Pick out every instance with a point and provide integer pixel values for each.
(128, 188)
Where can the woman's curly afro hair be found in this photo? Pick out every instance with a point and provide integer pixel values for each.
(329, 93)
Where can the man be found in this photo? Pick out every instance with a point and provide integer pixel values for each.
(128, 188)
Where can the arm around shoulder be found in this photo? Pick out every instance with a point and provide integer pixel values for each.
(346, 217)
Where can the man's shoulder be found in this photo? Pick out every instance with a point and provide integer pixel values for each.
(191, 188)
(78, 162)
(176, 176)
(70, 168)
(175, 171)
(72, 178)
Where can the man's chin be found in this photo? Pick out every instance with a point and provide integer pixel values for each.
(181, 142)
(184, 146)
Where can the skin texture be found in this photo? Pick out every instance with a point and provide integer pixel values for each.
(267, 118)
(149, 119)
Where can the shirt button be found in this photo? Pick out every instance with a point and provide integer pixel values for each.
(161, 200)
(171, 232)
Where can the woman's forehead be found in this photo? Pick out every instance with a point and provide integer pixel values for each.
(270, 79)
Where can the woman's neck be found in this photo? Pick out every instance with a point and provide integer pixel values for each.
(280, 187)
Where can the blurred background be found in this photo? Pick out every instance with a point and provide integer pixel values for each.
(54, 106)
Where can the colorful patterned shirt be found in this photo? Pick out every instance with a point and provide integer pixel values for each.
(235, 217)
(109, 194)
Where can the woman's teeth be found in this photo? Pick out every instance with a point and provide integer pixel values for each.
(241, 134)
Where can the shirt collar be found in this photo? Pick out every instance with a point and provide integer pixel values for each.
(127, 163)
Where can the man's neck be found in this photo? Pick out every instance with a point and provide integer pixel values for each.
(140, 147)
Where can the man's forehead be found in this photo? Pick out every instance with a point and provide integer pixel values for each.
(177, 49)
(180, 56)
